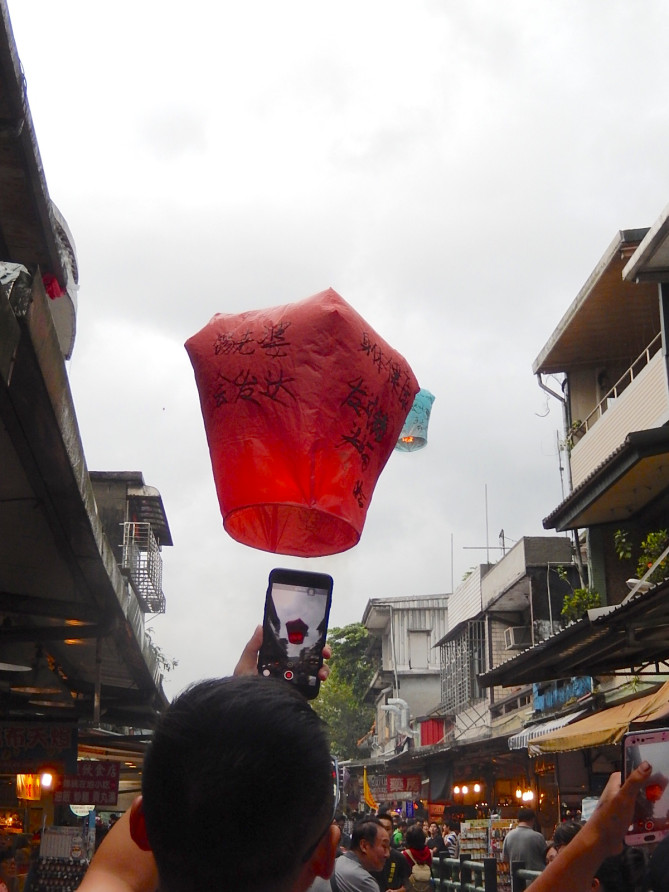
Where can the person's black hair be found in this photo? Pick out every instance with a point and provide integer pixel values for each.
(384, 816)
(612, 875)
(245, 745)
(415, 838)
(367, 828)
(526, 815)
(565, 832)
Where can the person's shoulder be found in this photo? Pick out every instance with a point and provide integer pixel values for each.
(320, 885)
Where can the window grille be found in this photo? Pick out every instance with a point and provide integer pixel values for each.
(143, 564)
(462, 659)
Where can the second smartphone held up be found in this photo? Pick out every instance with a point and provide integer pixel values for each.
(295, 622)
(650, 822)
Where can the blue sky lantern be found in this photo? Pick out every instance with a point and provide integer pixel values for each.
(414, 432)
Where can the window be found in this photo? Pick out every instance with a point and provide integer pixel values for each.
(462, 659)
(419, 650)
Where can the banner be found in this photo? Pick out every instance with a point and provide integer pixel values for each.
(367, 793)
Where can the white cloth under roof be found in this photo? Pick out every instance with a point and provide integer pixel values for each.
(522, 740)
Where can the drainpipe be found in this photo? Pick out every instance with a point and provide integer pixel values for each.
(401, 709)
(392, 651)
(570, 486)
(565, 419)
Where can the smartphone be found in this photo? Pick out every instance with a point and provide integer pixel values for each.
(650, 822)
(295, 623)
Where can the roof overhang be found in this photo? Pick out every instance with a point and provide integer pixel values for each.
(598, 325)
(650, 261)
(630, 638)
(28, 227)
(61, 589)
(631, 478)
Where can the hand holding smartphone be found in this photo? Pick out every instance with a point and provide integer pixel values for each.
(295, 621)
(650, 822)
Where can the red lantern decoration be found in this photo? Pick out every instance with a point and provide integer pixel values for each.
(302, 406)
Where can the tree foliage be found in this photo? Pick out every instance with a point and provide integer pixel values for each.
(340, 702)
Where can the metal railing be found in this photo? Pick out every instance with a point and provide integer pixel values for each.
(621, 384)
(143, 565)
(522, 877)
(463, 875)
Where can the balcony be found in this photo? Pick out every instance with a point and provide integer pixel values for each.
(142, 564)
(639, 400)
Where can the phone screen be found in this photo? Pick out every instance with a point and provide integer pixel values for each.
(295, 627)
(650, 822)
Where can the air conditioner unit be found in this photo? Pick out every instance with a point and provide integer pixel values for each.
(517, 638)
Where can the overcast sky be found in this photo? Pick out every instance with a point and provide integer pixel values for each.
(454, 170)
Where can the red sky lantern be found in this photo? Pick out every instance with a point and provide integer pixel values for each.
(302, 406)
(297, 629)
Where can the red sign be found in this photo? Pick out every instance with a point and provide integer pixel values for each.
(95, 783)
(403, 783)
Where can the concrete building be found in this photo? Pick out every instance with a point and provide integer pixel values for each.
(609, 356)
(407, 685)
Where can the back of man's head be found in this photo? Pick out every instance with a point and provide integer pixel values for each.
(245, 745)
(526, 815)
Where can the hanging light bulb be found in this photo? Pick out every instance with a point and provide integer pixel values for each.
(41, 680)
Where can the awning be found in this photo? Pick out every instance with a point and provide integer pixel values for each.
(521, 741)
(607, 726)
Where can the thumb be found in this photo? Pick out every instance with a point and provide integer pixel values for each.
(248, 662)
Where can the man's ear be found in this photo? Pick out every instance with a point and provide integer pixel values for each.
(138, 825)
(323, 859)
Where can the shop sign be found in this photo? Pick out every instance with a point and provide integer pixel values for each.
(26, 747)
(404, 783)
(95, 783)
(394, 786)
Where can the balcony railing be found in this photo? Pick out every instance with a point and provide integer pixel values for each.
(620, 386)
(638, 401)
(143, 565)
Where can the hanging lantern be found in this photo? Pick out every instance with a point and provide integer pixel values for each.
(414, 432)
(302, 406)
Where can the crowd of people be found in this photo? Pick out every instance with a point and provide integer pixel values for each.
(633, 869)
(255, 745)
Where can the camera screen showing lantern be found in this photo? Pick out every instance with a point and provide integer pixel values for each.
(302, 406)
